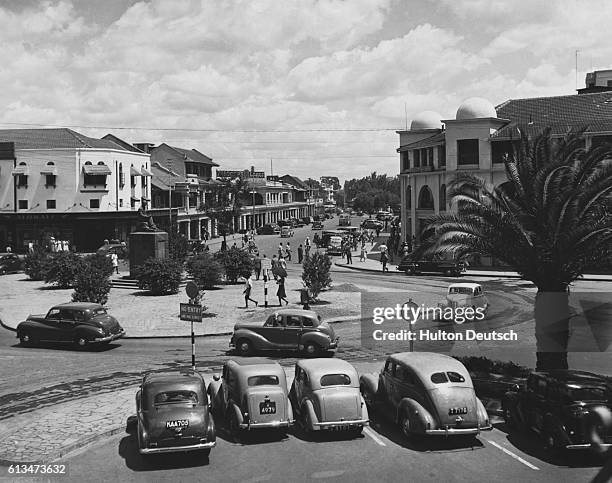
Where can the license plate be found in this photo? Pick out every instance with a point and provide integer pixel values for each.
(454, 411)
(177, 423)
(267, 407)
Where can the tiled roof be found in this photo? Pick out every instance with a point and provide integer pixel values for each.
(163, 178)
(194, 155)
(295, 181)
(434, 140)
(56, 138)
(124, 144)
(511, 131)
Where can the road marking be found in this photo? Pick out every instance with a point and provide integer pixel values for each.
(515, 456)
(372, 435)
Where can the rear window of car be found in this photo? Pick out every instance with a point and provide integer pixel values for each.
(460, 290)
(335, 380)
(175, 397)
(99, 311)
(589, 394)
(262, 381)
(450, 376)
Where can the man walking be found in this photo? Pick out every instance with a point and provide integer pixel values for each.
(307, 246)
(349, 255)
(248, 286)
(300, 254)
(257, 265)
(288, 252)
(280, 250)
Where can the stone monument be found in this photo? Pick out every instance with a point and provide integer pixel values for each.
(146, 242)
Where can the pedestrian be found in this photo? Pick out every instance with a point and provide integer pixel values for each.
(281, 250)
(280, 293)
(377, 231)
(274, 267)
(115, 261)
(362, 255)
(9, 249)
(307, 245)
(257, 265)
(288, 252)
(300, 254)
(248, 286)
(349, 255)
(223, 245)
(384, 259)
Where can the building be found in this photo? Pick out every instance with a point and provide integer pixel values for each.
(329, 185)
(433, 150)
(60, 183)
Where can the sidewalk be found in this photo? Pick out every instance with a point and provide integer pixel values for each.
(144, 316)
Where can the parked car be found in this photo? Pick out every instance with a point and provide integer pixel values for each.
(282, 223)
(371, 224)
(465, 295)
(81, 323)
(286, 232)
(173, 414)
(297, 222)
(268, 229)
(416, 266)
(288, 329)
(251, 394)
(317, 225)
(426, 394)
(559, 406)
(10, 263)
(325, 396)
(307, 220)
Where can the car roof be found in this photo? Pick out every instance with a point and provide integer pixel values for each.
(300, 312)
(575, 377)
(255, 366)
(78, 305)
(320, 367)
(464, 284)
(169, 379)
(428, 362)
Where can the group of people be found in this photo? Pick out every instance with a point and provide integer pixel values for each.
(279, 273)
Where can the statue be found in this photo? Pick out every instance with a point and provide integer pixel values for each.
(145, 222)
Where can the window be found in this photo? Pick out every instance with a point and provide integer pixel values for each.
(94, 203)
(426, 201)
(121, 176)
(455, 377)
(405, 160)
(307, 322)
(443, 197)
(262, 381)
(133, 203)
(417, 158)
(133, 181)
(408, 197)
(335, 380)
(51, 204)
(50, 181)
(174, 397)
(294, 321)
(467, 152)
(441, 156)
(23, 204)
(438, 378)
(501, 149)
(22, 181)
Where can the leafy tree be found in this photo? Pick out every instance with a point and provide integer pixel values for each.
(315, 273)
(178, 245)
(92, 283)
(236, 263)
(373, 192)
(223, 203)
(36, 264)
(205, 270)
(62, 268)
(548, 221)
(100, 262)
(160, 276)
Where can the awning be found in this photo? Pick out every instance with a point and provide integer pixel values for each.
(134, 171)
(21, 170)
(99, 169)
(146, 172)
(49, 170)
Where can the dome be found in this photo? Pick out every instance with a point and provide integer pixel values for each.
(474, 108)
(426, 120)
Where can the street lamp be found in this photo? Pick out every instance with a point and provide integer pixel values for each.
(407, 316)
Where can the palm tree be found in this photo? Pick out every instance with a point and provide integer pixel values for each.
(549, 221)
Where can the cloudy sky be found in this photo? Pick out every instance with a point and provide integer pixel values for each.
(319, 87)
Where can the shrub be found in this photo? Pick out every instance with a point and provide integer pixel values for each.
(100, 262)
(36, 264)
(236, 263)
(205, 270)
(92, 284)
(178, 245)
(62, 268)
(316, 273)
(160, 276)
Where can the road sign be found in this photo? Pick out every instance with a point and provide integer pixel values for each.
(192, 290)
(266, 264)
(191, 312)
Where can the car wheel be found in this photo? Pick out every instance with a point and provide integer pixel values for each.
(80, 342)
(26, 340)
(234, 427)
(312, 349)
(245, 347)
(405, 426)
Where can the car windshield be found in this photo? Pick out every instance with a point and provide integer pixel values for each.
(100, 311)
(263, 381)
(335, 380)
(589, 394)
(175, 397)
(450, 376)
(460, 290)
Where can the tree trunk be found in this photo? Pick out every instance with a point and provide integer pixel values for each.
(551, 329)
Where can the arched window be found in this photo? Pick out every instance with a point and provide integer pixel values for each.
(100, 163)
(87, 163)
(50, 163)
(443, 197)
(21, 174)
(408, 197)
(426, 201)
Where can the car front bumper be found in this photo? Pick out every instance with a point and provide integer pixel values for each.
(342, 424)
(108, 338)
(178, 449)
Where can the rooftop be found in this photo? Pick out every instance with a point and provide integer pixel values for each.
(56, 138)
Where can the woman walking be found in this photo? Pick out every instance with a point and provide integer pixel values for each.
(280, 293)
(248, 286)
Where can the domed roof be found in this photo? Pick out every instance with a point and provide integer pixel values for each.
(426, 120)
(474, 108)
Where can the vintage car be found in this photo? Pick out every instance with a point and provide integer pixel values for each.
(466, 295)
(434, 264)
(173, 414)
(286, 231)
(372, 224)
(251, 394)
(560, 406)
(82, 323)
(268, 229)
(325, 396)
(9, 263)
(426, 394)
(288, 329)
(317, 225)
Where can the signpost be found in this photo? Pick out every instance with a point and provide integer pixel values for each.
(192, 312)
(410, 304)
(266, 265)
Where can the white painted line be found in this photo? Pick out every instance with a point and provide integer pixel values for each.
(515, 456)
(372, 435)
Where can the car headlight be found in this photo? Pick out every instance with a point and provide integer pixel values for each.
(100, 331)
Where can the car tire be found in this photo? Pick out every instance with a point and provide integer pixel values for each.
(244, 347)
(26, 339)
(405, 426)
(80, 342)
(312, 349)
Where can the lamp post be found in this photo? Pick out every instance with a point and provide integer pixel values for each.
(253, 215)
(408, 318)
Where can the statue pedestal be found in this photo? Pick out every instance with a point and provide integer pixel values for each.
(144, 245)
